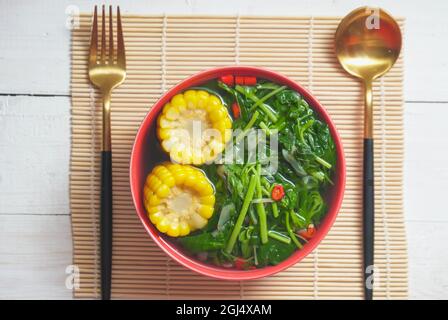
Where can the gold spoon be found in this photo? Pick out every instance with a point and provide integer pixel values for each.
(367, 43)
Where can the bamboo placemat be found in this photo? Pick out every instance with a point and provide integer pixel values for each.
(161, 51)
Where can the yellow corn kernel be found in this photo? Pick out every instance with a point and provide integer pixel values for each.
(146, 192)
(147, 206)
(164, 123)
(179, 176)
(161, 172)
(156, 217)
(203, 187)
(177, 151)
(190, 180)
(221, 127)
(168, 144)
(208, 200)
(187, 157)
(176, 158)
(154, 183)
(227, 135)
(168, 179)
(191, 99)
(164, 133)
(202, 99)
(197, 157)
(173, 230)
(153, 200)
(216, 146)
(184, 228)
(213, 103)
(218, 114)
(180, 154)
(209, 154)
(171, 112)
(165, 176)
(197, 222)
(157, 169)
(152, 210)
(228, 123)
(163, 191)
(172, 166)
(179, 101)
(205, 211)
(166, 107)
(163, 225)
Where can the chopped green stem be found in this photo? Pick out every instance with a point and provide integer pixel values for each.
(319, 175)
(281, 126)
(275, 209)
(265, 128)
(252, 120)
(253, 217)
(255, 256)
(265, 191)
(242, 215)
(249, 125)
(225, 87)
(265, 183)
(323, 162)
(260, 209)
(279, 236)
(269, 112)
(291, 233)
(303, 128)
(265, 108)
(267, 86)
(279, 123)
(266, 97)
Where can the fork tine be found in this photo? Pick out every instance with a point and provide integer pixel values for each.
(121, 55)
(103, 37)
(94, 40)
(111, 37)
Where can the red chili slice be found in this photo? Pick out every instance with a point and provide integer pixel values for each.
(278, 192)
(239, 80)
(250, 81)
(228, 80)
(240, 263)
(236, 110)
(308, 233)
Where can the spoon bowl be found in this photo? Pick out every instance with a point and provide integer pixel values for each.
(368, 42)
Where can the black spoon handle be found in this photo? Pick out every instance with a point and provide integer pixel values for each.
(368, 216)
(106, 224)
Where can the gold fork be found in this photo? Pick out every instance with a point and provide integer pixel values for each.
(106, 74)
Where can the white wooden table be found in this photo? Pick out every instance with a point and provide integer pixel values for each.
(35, 235)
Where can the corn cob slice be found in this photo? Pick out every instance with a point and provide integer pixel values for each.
(194, 127)
(178, 198)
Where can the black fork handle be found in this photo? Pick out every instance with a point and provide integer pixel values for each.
(106, 224)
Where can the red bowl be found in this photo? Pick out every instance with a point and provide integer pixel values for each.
(145, 154)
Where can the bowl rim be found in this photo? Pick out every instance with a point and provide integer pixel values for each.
(194, 264)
